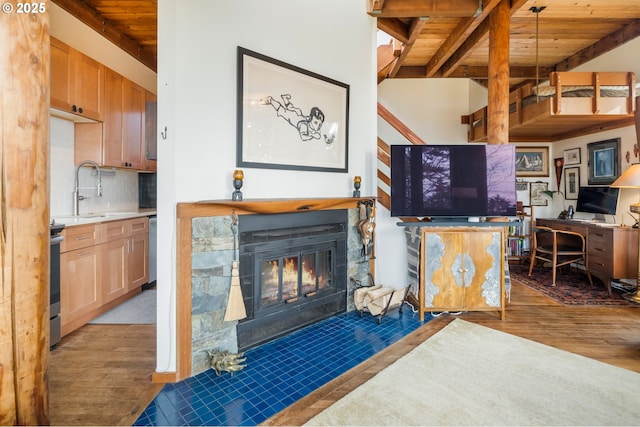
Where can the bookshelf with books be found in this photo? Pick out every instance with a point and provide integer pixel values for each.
(519, 235)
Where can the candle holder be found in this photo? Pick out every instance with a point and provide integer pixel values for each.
(356, 186)
(238, 176)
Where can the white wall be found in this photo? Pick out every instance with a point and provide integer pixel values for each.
(197, 103)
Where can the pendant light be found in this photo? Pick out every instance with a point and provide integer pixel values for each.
(537, 11)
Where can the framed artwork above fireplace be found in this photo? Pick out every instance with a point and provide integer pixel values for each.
(289, 117)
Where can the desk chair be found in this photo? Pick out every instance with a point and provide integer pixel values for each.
(559, 248)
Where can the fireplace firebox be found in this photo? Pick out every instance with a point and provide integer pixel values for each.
(293, 272)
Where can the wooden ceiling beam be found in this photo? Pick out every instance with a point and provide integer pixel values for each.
(416, 27)
(515, 72)
(479, 35)
(478, 73)
(395, 28)
(415, 8)
(602, 46)
(94, 20)
(462, 31)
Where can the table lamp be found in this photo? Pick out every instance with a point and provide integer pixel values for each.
(631, 179)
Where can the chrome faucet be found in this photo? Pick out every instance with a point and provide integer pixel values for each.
(76, 192)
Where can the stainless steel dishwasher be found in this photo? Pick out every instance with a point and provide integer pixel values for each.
(153, 263)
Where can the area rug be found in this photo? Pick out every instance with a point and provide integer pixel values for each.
(572, 287)
(471, 375)
(140, 309)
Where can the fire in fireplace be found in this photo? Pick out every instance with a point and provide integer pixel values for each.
(292, 272)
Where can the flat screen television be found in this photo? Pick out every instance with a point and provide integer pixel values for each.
(453, 180)
(597, 200)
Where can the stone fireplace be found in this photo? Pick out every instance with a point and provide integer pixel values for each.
(293, 272)
(305, 258)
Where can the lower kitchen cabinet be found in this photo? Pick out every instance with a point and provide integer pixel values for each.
(80, 286)
(101, 266)
(114, 278)
(138, 260)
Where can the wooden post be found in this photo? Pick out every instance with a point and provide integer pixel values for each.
(24, 212)
(498, 107)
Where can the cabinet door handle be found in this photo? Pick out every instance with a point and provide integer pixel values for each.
(599, 249)
(74, 108)
(84, 253)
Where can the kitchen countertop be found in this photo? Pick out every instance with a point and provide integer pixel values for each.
(96, 217)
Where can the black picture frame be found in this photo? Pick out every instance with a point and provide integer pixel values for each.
(604, 161)
(289, 117)
(571, 183)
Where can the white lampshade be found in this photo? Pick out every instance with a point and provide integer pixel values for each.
(630, 178)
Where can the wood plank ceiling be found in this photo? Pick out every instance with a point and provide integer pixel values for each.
(435, 38)
(131, 25)
(450, 38)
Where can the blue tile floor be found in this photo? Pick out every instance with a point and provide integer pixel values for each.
(278, 373)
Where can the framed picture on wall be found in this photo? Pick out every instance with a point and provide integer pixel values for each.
(536, 193)
(290, 118)
(571, 183)
(532, 161)
(572, 156)
(604, 161)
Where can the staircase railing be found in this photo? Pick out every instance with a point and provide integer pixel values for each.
(384, 156)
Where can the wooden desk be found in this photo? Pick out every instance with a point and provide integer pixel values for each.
(612, 251)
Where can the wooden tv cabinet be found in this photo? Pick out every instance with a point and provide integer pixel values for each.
(461, 269)
(612, 250)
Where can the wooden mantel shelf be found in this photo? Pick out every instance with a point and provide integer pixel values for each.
(264, 206)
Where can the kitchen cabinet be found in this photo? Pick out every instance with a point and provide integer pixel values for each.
(150, 139)
(124, 117)
(118, 141)
(101, 265)
(133, 125)
(138, 252)
(126, 253)
(112, 153)
(461, 269)
(77, 82)
(80, 276)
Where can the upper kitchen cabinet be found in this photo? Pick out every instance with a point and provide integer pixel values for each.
(77, 82)
(124, 118)
(120, 140)
(150, 140)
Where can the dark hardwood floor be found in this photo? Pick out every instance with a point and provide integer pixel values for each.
(101, 374)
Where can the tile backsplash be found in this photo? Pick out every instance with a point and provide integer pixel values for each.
(119, 187)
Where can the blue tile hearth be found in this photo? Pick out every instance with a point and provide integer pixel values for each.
(278, 373)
